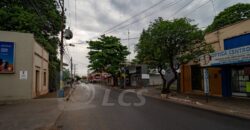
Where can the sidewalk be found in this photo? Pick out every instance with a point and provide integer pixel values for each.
(34, 114)
(238, 107)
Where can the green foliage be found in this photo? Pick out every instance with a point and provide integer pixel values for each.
(78, 78)
(107, 54)
(66, 74)
(170, 43)
(229, 16)
(40, 17)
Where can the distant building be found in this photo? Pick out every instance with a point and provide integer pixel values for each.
(137, 75)
(154, 78)
(23, 66)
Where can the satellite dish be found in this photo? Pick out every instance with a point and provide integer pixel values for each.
(68, 34)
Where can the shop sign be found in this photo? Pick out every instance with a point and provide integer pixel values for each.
(206, 81)
(232, 56)
(7, 51)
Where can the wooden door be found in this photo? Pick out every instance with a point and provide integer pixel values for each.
(37, 82)
(215, 83)
(186, 85)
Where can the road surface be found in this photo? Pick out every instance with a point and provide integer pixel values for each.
(93, 107)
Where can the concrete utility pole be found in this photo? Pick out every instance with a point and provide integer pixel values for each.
(128, 47)
(68, 35)
(74, 70)
(61, 91)
(71, 71)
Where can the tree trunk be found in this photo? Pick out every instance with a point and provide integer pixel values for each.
(164, 81)
(115, 81)
(173, 79)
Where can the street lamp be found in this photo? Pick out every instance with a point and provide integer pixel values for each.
(72, 45)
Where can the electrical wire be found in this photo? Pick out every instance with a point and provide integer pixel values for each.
(176, 12)
(195, 9)
(138, 14)
(182, 8)
(138, 20)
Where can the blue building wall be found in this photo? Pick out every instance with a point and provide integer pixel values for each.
(238, 41)
(231, 43)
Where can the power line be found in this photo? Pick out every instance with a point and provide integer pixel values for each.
(187, 4)
(197, 8)
(168, 5)
(158, 3)
(212, 1)
(171, 4)
(35, 8)
(183, 7)
(130, 38)
(69, 10)
(75, 15)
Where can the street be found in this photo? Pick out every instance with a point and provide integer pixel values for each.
(90, 109)
(125, 65)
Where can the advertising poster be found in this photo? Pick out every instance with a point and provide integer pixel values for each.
(7, 51)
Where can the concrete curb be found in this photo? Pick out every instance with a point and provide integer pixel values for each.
(205, 107)
(12, 102)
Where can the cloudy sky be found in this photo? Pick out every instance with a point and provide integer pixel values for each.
(89, 19)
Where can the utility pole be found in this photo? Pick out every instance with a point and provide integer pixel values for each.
(128, 46)
(61, 91)
(74, 70)
(71, 71)
(68, 35)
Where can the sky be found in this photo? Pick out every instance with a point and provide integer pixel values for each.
(89, 19)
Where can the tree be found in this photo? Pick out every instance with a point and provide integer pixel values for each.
(78, 78)
(40, 17)
(66, 74)
(106, 55)
(169, 44)
(231, 15)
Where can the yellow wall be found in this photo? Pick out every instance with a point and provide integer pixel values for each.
(41, 64)
(216, 39)
(29, 56)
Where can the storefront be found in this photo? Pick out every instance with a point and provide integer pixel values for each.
(225, 72)
(235, 70)
(240, 82)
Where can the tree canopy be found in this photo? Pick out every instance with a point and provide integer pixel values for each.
(107, 54)
(40, 17)
(169, 44)
(231, 15)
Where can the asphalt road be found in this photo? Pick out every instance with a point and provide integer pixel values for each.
(93, 107)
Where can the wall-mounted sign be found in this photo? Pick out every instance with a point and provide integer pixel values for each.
(231, 56)
(23, 75)
(7, 52)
